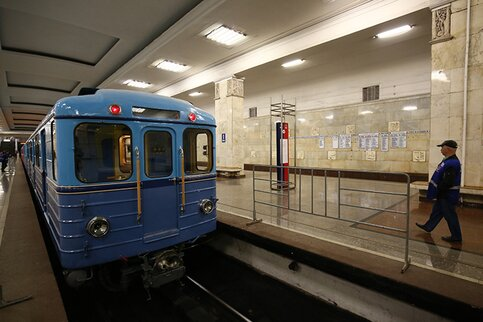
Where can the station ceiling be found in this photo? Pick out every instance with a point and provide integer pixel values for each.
(50, 49)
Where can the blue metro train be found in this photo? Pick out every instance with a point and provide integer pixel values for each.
(125, 180)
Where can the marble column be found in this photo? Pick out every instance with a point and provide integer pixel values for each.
(229, 96)
(448, 94)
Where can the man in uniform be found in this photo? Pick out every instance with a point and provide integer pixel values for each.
(445, 187)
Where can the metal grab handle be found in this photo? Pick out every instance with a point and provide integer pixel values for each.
(138, 183)
(183, 196)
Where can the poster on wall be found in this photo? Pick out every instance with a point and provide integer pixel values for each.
(384, 142)
(398, 139)
(335, 141)
(368, 141)
(321, 142)
(345, 141)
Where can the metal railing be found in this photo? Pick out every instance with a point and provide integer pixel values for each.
(289, 196)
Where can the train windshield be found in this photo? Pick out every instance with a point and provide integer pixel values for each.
(102, 152)
(198, 147)
(158, 154)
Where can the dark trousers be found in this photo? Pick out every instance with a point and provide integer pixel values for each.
(442, 208)
(4, 164)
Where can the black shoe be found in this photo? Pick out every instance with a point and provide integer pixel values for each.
(423, 227)
(450, 239)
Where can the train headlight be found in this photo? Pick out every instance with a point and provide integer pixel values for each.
(98, 226)
(207, 206)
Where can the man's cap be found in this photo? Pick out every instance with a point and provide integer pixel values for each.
(450, 143)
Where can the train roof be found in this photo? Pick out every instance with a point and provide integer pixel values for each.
(97, 105)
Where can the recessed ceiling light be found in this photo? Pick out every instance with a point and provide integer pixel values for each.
(225, 35)
(135, 83)
(293, 63)
(195, 94)
(366, 112)
(410, 108)
(394, 32)
(330, 117)
(171, 66)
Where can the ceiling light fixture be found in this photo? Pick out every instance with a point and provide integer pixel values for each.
(394, 32)
(226, 36)
(195, 94)
(137, 84)
(330, 117)
(293, 63)
(171, 66)
(366, 112)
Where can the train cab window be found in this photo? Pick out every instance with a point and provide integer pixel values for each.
(158, 154)
(102, 152)
(198, 147)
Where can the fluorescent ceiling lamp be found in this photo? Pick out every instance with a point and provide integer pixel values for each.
(135, 83)
(365, 112)
(330, 117)
(195, 94)
(302, 120)
(394, 32)
(410, 108)
(226, 36)
(171, 66)
(293, 63)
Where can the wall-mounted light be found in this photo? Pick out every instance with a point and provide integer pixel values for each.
(439, 75)
(137, 84)
(225, 35)
(171, 66)
(394, 32)
(293, 63)
(410, 108)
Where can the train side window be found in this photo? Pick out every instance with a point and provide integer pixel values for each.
(37, 150)
(53, 141)
(158, 156)
(97, 152)
(198, 147)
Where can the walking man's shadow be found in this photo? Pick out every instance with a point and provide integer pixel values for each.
(447, 261)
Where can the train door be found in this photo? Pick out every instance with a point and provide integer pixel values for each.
(159, 191)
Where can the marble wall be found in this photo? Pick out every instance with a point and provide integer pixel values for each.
(375, 117)
(448, 93)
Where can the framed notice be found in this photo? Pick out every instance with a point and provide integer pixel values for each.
(335, 141)
(368, 141)
(398, 139)
(321, 142)
(345, 141)
(384, 142)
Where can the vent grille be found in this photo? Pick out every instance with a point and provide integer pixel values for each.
(370, 93)
(252, 112)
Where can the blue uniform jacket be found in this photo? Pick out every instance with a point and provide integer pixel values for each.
(446, 180)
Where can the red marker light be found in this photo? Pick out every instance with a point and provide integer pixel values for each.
(115, 109)
(192, 117)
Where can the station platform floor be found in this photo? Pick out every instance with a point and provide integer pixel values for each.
(441, 277)
(25, 269)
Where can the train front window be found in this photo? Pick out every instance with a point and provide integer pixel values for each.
(197, 147)
(158, 154)
(102, 152)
